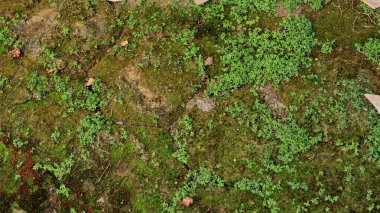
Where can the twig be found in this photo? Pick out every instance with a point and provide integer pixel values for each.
(100, 178)
(353, 24)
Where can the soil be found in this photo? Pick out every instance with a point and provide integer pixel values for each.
(273, 100)
(38, 31)
(282, 12)
(151, 99)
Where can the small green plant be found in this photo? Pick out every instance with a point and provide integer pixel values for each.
(294, 4)
(264, 187)
(373, 143)
(193, 180)
(182, 137)
(8, 36)
(4, 153)
(88, 128)
(327, 47)
(260, 120)
(63, 190)
(53, 3)
(61, 84)
(50, 60)
(65, 31)
(4, 84)
(58, 170)
(17, 142)
(56, 135)
(37, 85)
(186, 39)
(263, 56)
(371, 49)
(89, 98)
(90, 4)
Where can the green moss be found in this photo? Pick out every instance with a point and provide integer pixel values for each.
(133, 141)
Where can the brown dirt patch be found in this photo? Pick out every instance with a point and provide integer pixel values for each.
(27, 172)
(162, 2)
(134, 77)
(204, 104)
(9, 6)
(273, 100)
(38, 30)
(282, 12)
(121, 170)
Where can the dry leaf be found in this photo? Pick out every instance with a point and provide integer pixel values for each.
(187, 201)
(199, 2)
(209, 61)
(90, 82)
(50, 70)
(16, 53)
(124, 43)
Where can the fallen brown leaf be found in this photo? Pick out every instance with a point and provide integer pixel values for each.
(16, 53)
(124, 43)
(209, 61)
(90, 82)
(187, 201)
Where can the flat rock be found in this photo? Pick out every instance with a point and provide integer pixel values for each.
(199, 2)
(209, 61)
(372, 3)
(273, 100)
(375, 100)
(205, 104)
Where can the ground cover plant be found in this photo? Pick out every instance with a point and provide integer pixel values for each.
(169, 106)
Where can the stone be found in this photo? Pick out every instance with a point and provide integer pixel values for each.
(119, 123)
(372, 3)
(375, 101)
(199, 2)
(205, 104)
(209, 61)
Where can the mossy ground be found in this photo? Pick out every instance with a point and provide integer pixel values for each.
(146, 89)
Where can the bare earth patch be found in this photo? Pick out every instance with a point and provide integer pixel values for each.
(282, 12)
(38, 30)
(204, 104)
(273, 100)
(133, 76)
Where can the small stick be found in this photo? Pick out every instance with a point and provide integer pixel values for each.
(103, 173)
